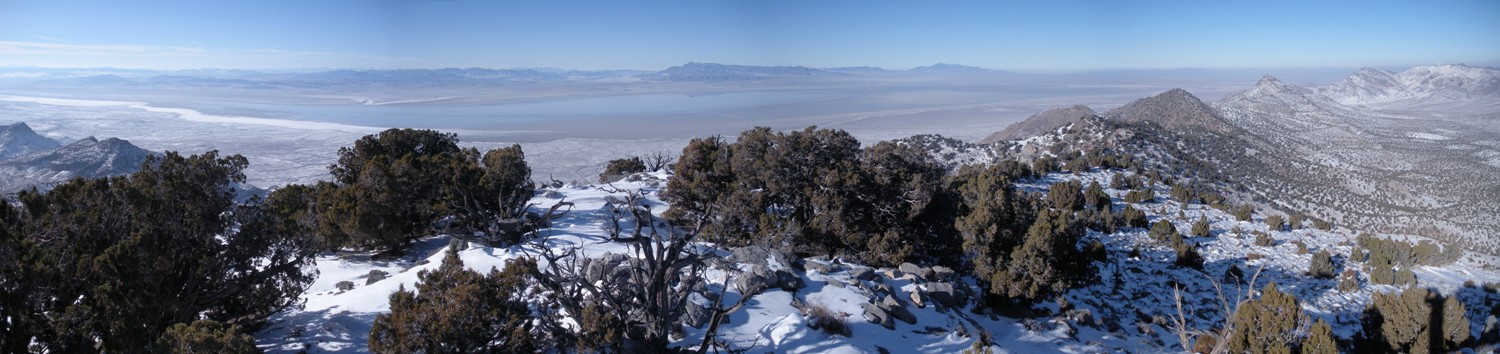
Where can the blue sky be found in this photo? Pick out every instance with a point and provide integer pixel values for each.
(651, 35)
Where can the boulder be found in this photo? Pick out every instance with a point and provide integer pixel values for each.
(898, 310)
(788, 281)
(597, 269)
(820, 267)
(862, 273)
(916, 299)
(877, 316)
(756, 280)
(836, 283)
(376, 275)
(943, 293)
(891, 273)
(941, 273)
(884, 289)
(761, 256)
(696, 315)
(909, 268)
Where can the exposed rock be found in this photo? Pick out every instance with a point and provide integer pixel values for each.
(696, 315)
(1081, 316)
(883, 288)
(756, 280)
(891, 273)
(898, 310)
(375, 275)
(941, 273)
(820, 267)
(597, 269)
(788, 281)
(916, 299)
(910, 268)
(836, 283)
(942, 293)
(761, 256)
(862, 273)
(878, 316)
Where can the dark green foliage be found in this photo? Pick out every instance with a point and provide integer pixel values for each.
(816, 191)
(1264, 240)
(118, 261)
(1046, 263)
(1095, 198)
(1200, 228)
(1320, 339)
(1321, 265)
(1276, 222)
(1066, 195)
(1324, 225)
(456, 310)
(1140, 196)
(1184, 194)
(1163, 231)
(1244, 212)
(1414, 321)
(994, 218)
(599, 330)
(703, 181)
(1391, 261)
(206, 336)
(1131, 217)
(391, 188)
(1097, 252)
(1187, 256)
(620, 167)
(1268, 324)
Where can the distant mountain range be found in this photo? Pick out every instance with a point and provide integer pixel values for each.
(690, 72)
(1416, 86)
(28, 159)
(1410, 153)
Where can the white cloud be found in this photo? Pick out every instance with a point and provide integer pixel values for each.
(48, 54)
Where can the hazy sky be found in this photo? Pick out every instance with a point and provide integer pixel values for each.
(651, 35)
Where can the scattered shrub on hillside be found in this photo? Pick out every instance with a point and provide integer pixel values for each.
(456, 310)
(820, 317)
(1131, 217)
(1268, 324)
(1066, 195)
(1244, 212)
(206, 336)
(1140, 196)
(1276, 222)
(1187, 256)
(1321, 265)
(1163, 231)
(1094, 197)
(1200, 228)
(1414, 321)
(1046, 263)
(1294, 222)
(1320, 339)
(1264, 240)
(621, 167)
(1324, 225)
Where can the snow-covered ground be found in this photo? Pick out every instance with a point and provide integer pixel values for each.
(1126, 302)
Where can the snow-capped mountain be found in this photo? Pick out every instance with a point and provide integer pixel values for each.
(88, 158)
(1422, 85)
(1175, 108)
(18, 139)
(1040, 123)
